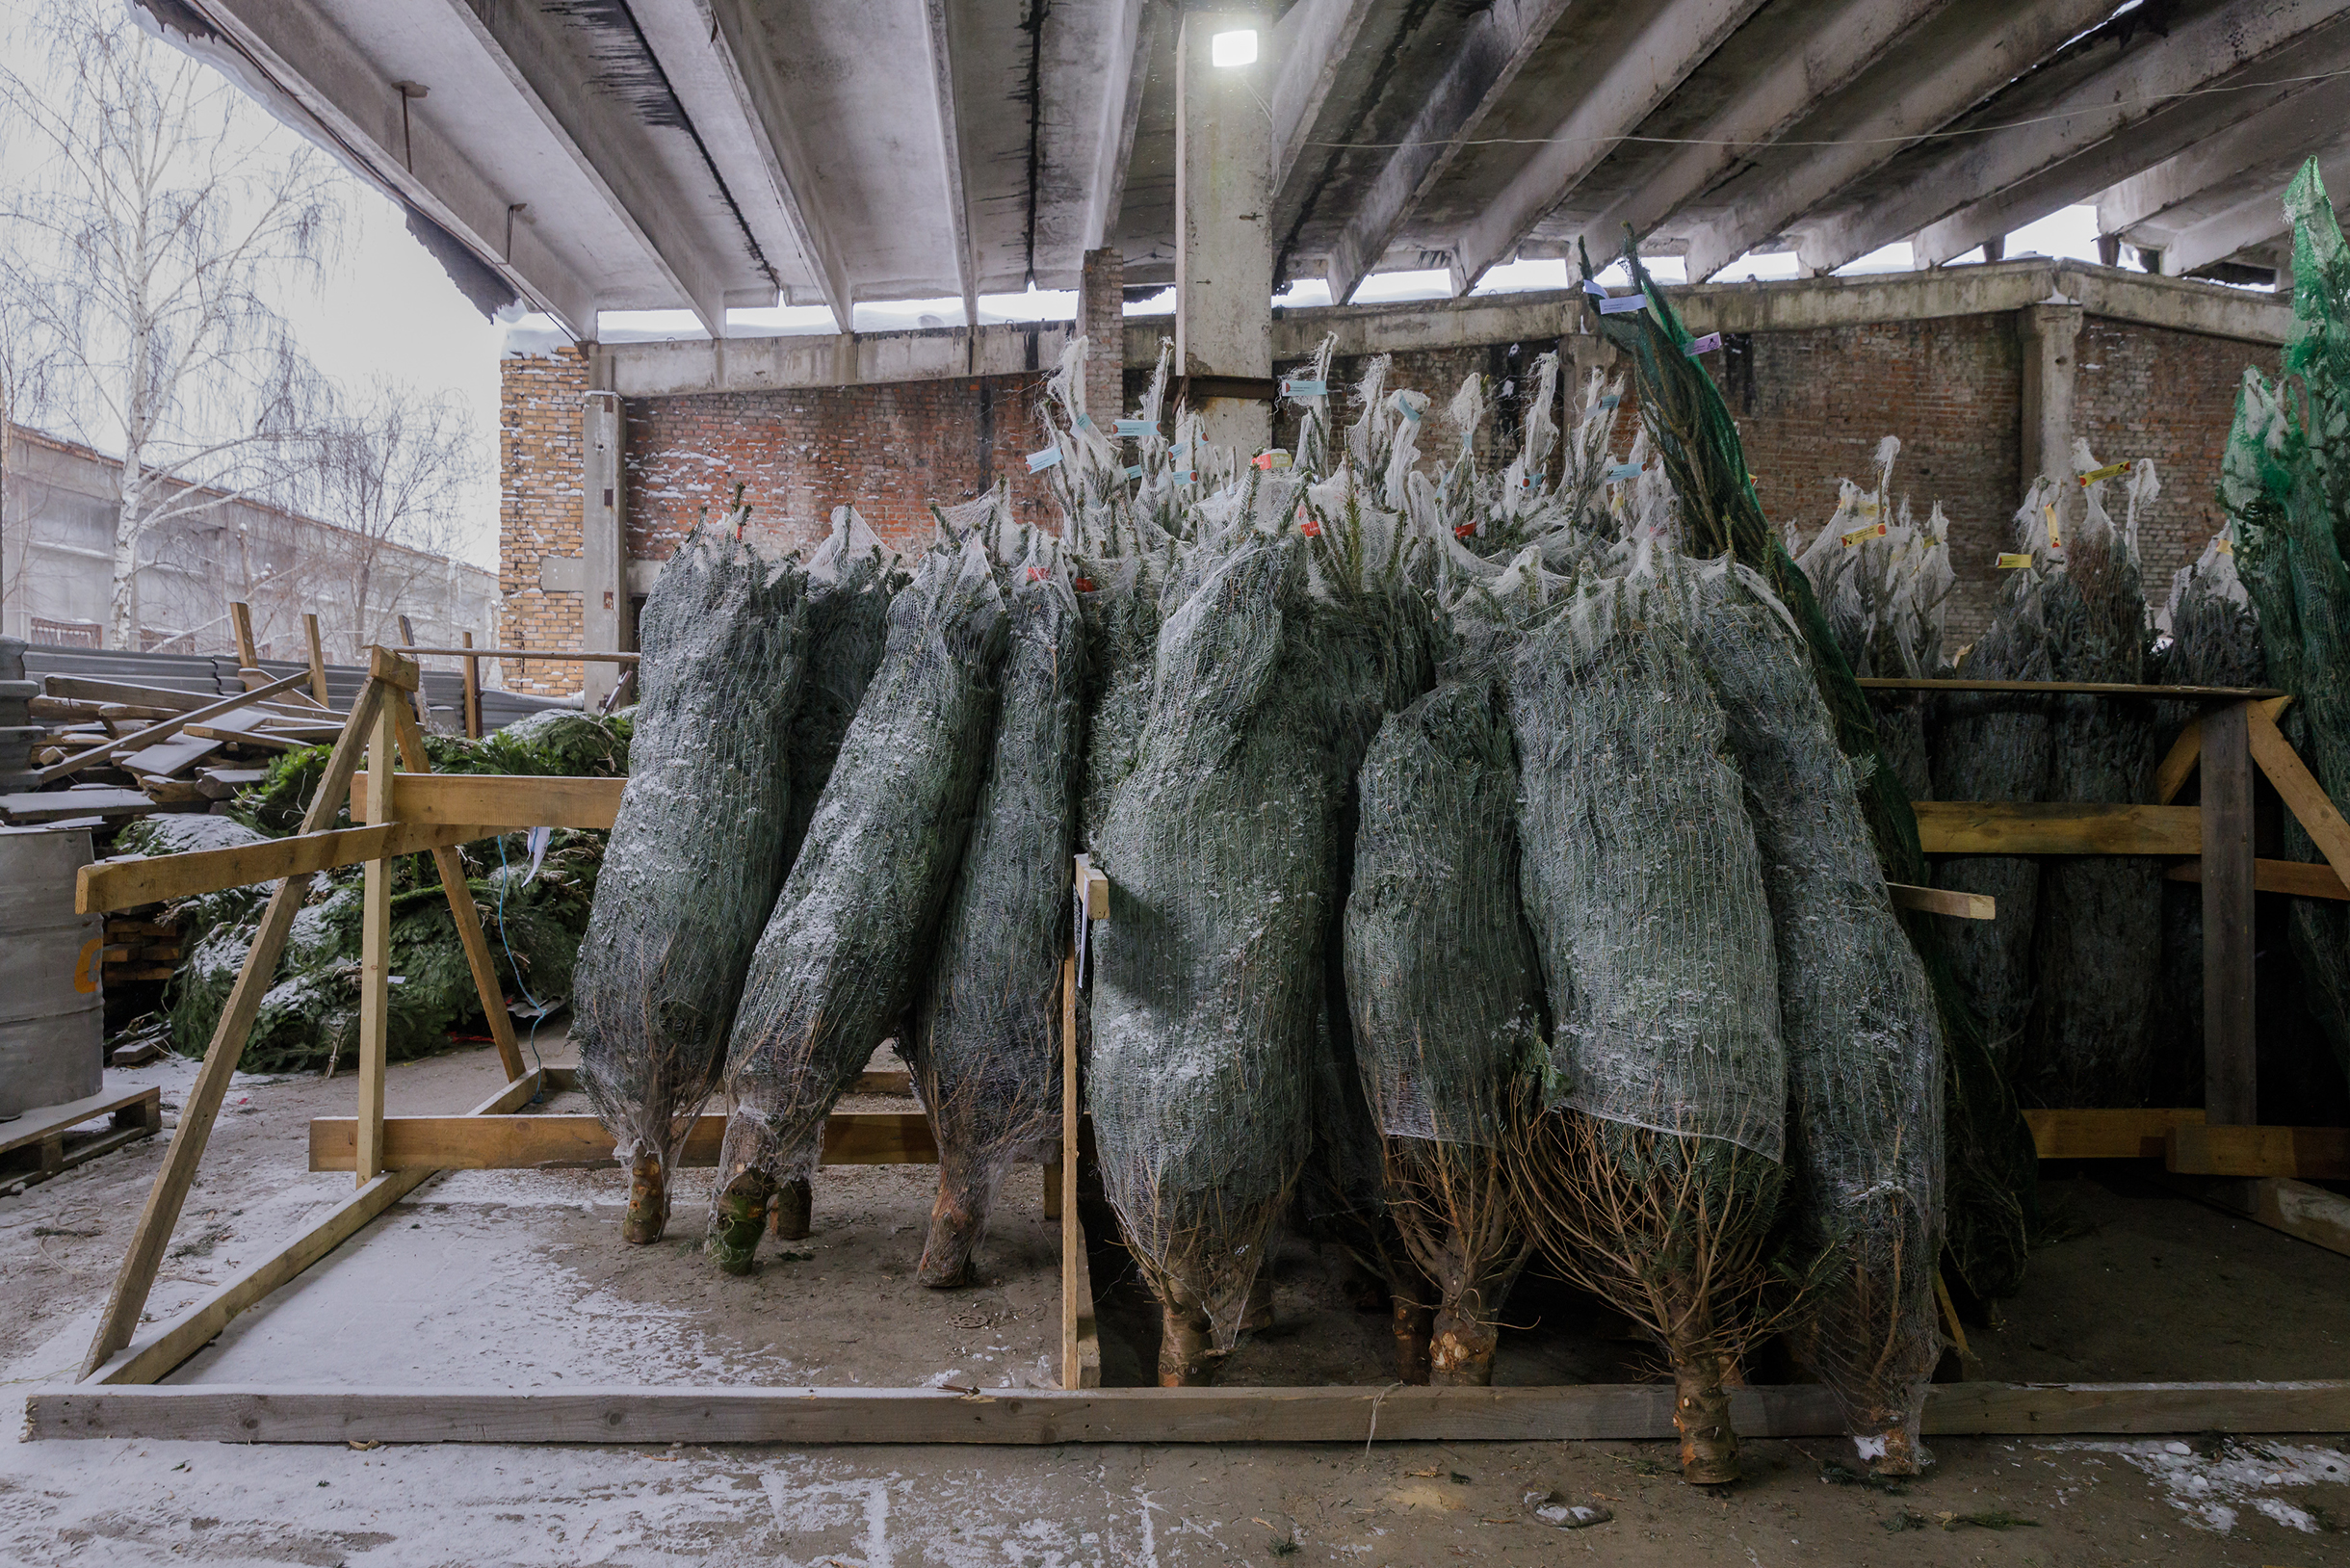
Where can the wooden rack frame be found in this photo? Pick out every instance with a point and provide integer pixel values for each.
(415, 811)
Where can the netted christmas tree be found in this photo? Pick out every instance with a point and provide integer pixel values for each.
(697, 854)
(841, 958)
(986, 1037)
(1649, 1168)
(851, 578)
(1864, 1062)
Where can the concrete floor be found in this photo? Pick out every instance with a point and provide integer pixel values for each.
(518, 1279)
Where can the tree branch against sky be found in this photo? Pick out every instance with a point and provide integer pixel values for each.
(152, 224)
(393, 472)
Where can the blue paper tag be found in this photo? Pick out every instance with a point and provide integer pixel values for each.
(1621, 470)
(1134, 427)
(1039, 461)
(1703, 345)
(1592, 285)
(1623, 305)
(1411, 413)
(1300, 388)
(1134, 472)
(1085, 422)
(1611, 401)
(1180, 448)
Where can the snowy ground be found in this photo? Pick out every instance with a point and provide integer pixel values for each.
(506, 1278)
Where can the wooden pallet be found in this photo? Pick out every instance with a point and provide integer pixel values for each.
(44, 1144)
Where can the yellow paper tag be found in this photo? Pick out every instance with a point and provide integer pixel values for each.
(1866, 506)
(2227, 545)
(1873, 531)
(2056, 534)
(2112, 470)
(2009, 561)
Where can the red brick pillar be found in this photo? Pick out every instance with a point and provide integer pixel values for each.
(1101, 315)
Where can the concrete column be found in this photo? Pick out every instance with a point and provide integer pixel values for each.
(1101, 313)
(1579, 353)
(2048, 333)
(1224, 233)
(603, 541)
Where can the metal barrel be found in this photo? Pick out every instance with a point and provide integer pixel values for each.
(51, 1029)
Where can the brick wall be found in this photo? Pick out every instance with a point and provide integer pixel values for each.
(887, 450)
(538, 509)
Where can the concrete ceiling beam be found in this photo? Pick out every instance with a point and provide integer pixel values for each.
(1622, 82)
(1128, 62)
(291, 48)
(1313, 44)
(1831, 53)
(2186, 126)
(950, 161)
(2127, 99)
(1961, 56)
(1496, 48)
(2252, 221)
(2283, 131)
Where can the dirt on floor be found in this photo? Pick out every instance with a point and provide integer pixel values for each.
(519, 1279)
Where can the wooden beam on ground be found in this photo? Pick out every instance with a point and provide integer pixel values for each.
(1940, 900)
(1621, 1412)
(2008, 827)
(2106, 689)
(154, 1357)
(2107, 1135)
(2304, 1153)
(2302, 878)
(510, 800)
(163, 731)
(554, 1142)
(2231, 1050)
(201, 1105)
(2309, 1214)
(461, 912)
(130, 881)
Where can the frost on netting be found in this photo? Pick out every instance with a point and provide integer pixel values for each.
(2100, 916)
(842, 956)
(1444, 990)
(1653, 1175)
(1864, 1058)
(986, 1037)
(697, 854)
(1993, 745)
(851, 579)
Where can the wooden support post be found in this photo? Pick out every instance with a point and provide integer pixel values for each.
(249, 652)
(416, 692)
(376, 953)
(1081, 1341)
(2231, 1082)
(472, 693)
(318, 658)
(203, 1103)
(467, 918)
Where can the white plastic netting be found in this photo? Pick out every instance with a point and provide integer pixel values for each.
(841, 959)
(851, 579)
(697, 852)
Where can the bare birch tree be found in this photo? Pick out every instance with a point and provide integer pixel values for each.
(150, 218)
(392, 473)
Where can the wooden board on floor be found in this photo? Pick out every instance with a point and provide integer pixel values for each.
(167, 757)
(49, 1121)
(2063, 828)
(61, 805)
(1621, 1412)
(533, 1142)
(2311, 1214)
(2308, 1153)
(2107, 1135)
(507, 800)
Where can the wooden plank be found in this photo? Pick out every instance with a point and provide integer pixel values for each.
(1093, 888)
(2311, 1213)
(561, 1142)
(90, 688)
(2231, 1050)
(201, 1105)
(2031, 828)
(50, 1121)
(2178, 764)
(509, 800)
(57, 805)
(2303, 796)
(162, 731)
(318, 658)
(1080, 1340)
(1620, 1412)
(2106, 1135)
(387, 667)
(156, 1355)
(240, 621)
(2302, 878)
(559, 655)
(2110, 688)
(1939, 900)
(130, 881)
(376, 952)
(462, 914)
(167, 757)
(473, 692)
(2306, 1153)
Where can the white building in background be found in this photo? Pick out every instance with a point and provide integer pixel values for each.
(57, 520)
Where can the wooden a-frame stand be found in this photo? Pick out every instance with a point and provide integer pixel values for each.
(415, 811)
